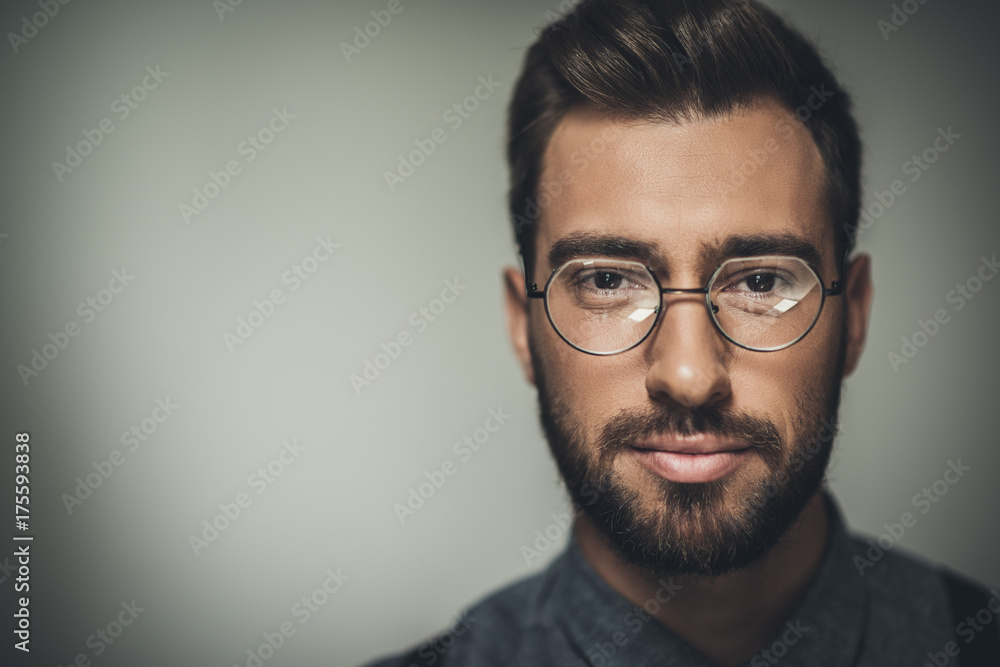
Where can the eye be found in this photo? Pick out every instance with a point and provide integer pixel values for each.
(608, 280)
(760, 281)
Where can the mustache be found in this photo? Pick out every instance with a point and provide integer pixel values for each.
(631, 426)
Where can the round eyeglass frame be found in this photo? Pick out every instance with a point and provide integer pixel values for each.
(835, 289)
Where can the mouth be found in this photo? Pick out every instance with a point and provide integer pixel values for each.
(691, 460)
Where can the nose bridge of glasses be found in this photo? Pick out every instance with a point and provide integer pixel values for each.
(684, 328)
(690, 291)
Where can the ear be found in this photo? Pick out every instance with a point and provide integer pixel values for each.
(516, 302)
(858, 294)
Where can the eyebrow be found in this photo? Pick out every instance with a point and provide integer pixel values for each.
(765, 244)
(582, 245)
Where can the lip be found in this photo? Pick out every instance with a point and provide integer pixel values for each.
(694, 444)
(691, 460)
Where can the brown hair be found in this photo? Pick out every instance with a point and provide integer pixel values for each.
(674, 61)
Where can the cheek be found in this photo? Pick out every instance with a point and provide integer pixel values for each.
(591, 388)
(820, 350)
(776, 385)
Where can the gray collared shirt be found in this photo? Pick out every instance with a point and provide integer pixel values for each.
(867, 607)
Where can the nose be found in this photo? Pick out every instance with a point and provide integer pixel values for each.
(686, 355)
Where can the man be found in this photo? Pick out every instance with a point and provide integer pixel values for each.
(685, 184)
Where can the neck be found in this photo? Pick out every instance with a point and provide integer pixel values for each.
(731, 617)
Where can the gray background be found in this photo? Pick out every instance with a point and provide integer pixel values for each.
(324, 175)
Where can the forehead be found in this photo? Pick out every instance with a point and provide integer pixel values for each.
(686, 189)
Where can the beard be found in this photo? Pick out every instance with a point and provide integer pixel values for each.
(701, 529)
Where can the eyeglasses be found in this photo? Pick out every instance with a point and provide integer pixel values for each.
(607, 306)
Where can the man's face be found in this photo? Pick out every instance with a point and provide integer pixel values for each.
(623, 427)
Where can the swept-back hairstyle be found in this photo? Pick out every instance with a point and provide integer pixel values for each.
(675, 61)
